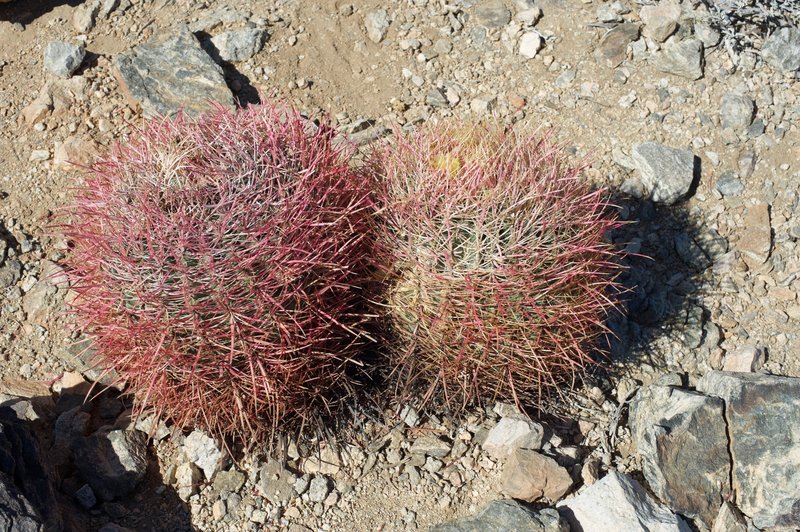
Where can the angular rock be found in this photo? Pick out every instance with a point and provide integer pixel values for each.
(230, 481)
(529, 476)
(755, 237)
(511, 433)
(112, 462)
(430, 445)
(492, 14)
(17, 514)
(667, 173)
(10, 273)
(729, 185)
(170, 73)
(484, 104)
(681, 436)
(763, 412)
(729, 519)
(275, 483)
(782, 49)
(74, 153)
(746, 359)
(202, 451)
(436, 98)
(507, 515)
(187, 480)
(660, 21)
(736, 110)
(683, 58)
(85, 16)
(239, 45)
(319, 488)
(377, 24)
(613, 47)
(529, 44)
(62, 59)
(86, 497)
(619, 503)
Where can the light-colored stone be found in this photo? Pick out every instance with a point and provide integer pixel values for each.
(666, 173)
(238, 45)
(619, 503)
(755, 237)
(683, 58)
(430, 445)
(736, 110)
(187, 480)
(529, 44)
(529, 476)
(62, 58)
(511, 433)
(203, 451)
(660, 20)
(746, 359)
(729, 519)
(74, 153)
(377, 24)
(782, 49)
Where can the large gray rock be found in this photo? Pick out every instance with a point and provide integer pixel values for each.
(763, 415)
(782, 49)
(17, 514)
(238, 45)
(62, 58)
(112, 462)
(619, 503)
(683, 58)
(507, 516)
(666, 173)
(736, 110)
(682, 438)
(172, 72)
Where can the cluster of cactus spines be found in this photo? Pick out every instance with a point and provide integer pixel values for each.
(219, 265)
(500, 278)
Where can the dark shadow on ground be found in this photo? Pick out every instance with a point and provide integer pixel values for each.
(46, 442)
(26, 11)
(243, 91)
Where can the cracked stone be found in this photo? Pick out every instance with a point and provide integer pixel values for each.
(667, 173)
(683, 58)
(529, 476)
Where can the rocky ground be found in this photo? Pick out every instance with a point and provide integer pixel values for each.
(699, 146)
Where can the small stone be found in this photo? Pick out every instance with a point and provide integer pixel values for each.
(507, 515)
(275, 482)
(39, 155)
(729, 519)
(231, 481)
(782, 49)
(430, 445)
(483, 104)
(736, 111)
(511, 433)
(218, 510)
(529, 476)
(706, 33)
(529, 44)
(728, 184)
(85, 16)
(660, 21)
(492, 15)
(74, 152)
(613, 47)
(612, 12)
(755, 239)
(409, 416)
(318, 489)
(62, 59)
(436, 98)
(203, 452)
(667, 173)
(35, 112)
(745, 359)
(10, 273)
(683, 58)
(258, 516)
(85, 497)
(529, 17)
(239, 45)
(377, 25)
(187, 480)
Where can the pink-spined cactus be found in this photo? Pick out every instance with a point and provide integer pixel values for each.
(219, 266)
(501, 277)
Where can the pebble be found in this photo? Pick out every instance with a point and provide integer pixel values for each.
(318, 489)
(736, 110)
(85, 497)
(683, 58)
(728, 184)
(239, 45)
(660, 21)
(667, 173)
(377, 24)
(529, 44)
(202, 450)
(492, 14)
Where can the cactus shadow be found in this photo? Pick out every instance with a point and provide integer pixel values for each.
(24, 12)
(39, 440)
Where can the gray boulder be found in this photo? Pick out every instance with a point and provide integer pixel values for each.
(763, 413)
(507, 516)
(62, 58)
(682, 438)
(238, 45)
(172, 72)
(667, 173)
(782, 49)
(619, 503)
(683, 58)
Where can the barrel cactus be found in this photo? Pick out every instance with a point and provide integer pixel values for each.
(500, 275)
(219, 265)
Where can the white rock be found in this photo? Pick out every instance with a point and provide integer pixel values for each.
(529, 44)
(619, 503)
(512, 433)
(746, 359)
(203, 452)
(63, 58)
(377, 24)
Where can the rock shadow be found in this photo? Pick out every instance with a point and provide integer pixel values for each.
(243, 90)
(72, 462)
(24, 12)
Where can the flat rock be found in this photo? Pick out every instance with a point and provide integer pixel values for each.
(202, 451)
(782, 49)
(239, 45)
(682, 58)
(728, 184)
(729, 519)
(666, 173)
(112, 462)
(275, 483)
(62, 58)
(430, 445)
(511, 433)
(736, 110)
(172, 72)
(529, 476)
(492, 14)
(230, 481)
(507, 515)
(762, 412)
(619, 503)
(613, 47)
(682, 439)
(661, 20)
(755, 237)
(529, 44)
(376, 23)
(745, 359)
